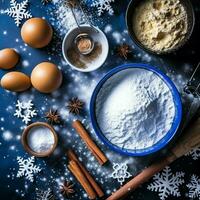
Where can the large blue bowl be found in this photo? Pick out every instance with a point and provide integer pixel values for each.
(166, 139)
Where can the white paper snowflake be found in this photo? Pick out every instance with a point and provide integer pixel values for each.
(44, 194)
(194, 153)
(25, 111)
(194, 187)
(120, 172)
(103, 5)
(18, 11)
(27, 168)
(166, 183)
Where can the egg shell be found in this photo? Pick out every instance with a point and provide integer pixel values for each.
(15, 81)
(8, 58)
(36, 32)
(46, 77)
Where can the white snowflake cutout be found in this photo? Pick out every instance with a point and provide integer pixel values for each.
(44, 194)
(103, 5)
(166, 183)
(120, 172)
(194, 153)
(194, 187)
(18, 11)
(27, 168)
(25, 111)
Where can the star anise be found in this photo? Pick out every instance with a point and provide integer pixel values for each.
(44, 2)
(53, 116)
(123, 50)
(67, 189)
(75, 105)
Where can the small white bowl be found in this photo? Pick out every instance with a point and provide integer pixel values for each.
(97, 36)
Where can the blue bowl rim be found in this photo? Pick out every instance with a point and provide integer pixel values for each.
(161, 143)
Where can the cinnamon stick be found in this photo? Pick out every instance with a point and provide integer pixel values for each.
(72, 156)
(99, 155)
(77, 172)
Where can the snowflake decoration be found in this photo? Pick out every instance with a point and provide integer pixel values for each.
(27, 168)
(166, 183)
(44, 195)
(18, 11)
(103, 5)
(120, 172)
(25, 111)
(194, 153)
(194, 187)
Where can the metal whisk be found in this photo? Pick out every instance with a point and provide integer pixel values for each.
(190, 87)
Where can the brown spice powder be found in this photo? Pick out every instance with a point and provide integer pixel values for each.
(82, 61)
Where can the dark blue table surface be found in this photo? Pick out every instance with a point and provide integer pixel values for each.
(54, 171)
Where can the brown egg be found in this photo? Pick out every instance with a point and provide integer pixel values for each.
(46, 77)
(8, 58)
(36, 32)
(15, 81)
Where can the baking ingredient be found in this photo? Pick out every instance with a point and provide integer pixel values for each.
(46, 77)
(53, 117)
(67, 189)
(40, 139)
(72, 156)
(96, 151)
(83, 61)
(160, 25)
(84, 45)
(82, 179)
(15, 81)
(123, 51)
(135, 109)
(8, 58)
(75, 105)
(36, 32)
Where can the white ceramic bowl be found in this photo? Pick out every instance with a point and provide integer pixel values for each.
(97, 35)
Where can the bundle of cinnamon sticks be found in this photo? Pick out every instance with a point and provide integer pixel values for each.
(98, 154)
(83, 176)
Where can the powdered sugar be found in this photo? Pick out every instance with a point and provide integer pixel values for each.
(135, 109)
(40, 139)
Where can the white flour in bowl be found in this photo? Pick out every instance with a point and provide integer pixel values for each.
(135, 109)
(40, 139)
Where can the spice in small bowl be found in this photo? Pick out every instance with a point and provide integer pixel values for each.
(39, 139)
(76, 53)
(84, 44)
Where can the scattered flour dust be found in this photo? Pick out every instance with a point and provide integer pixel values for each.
(135, 109)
